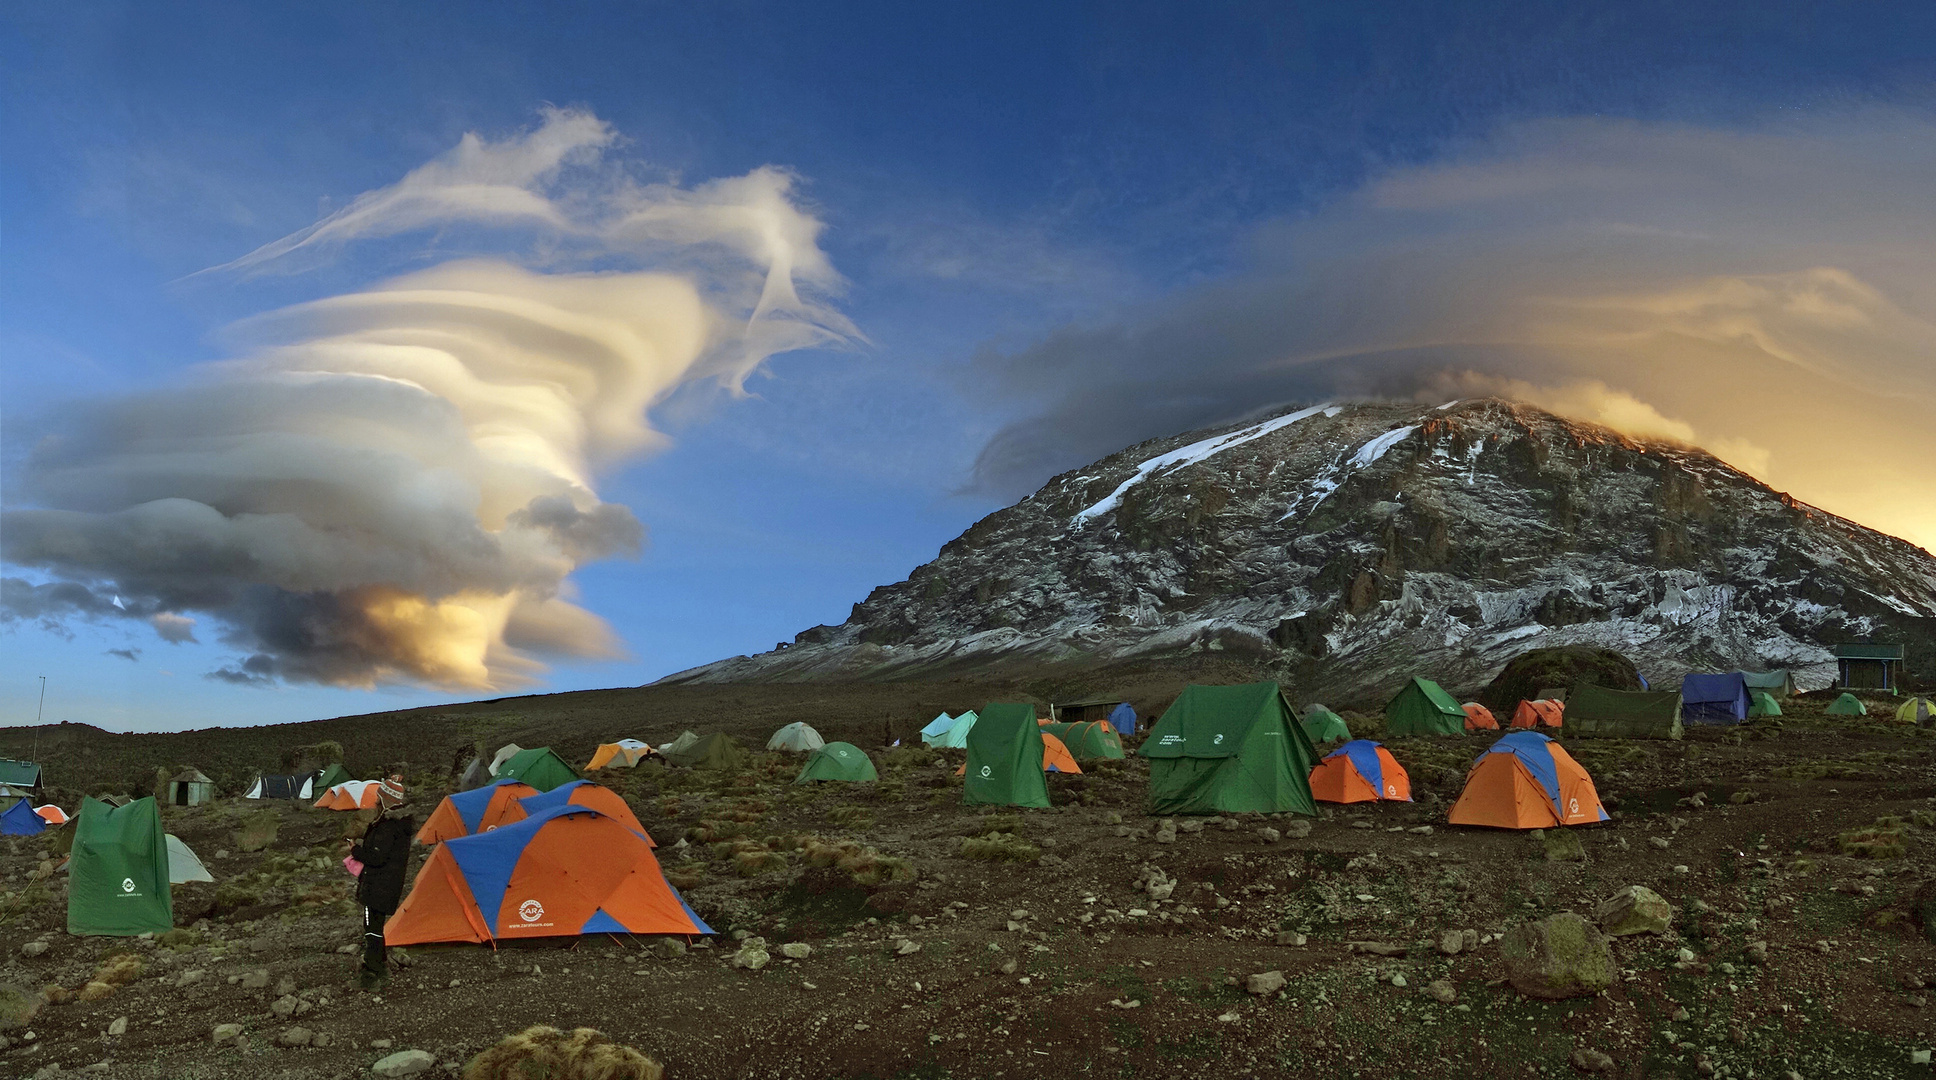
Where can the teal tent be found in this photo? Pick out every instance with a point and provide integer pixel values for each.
(956, 737)
(936, 728)
(1229, 749)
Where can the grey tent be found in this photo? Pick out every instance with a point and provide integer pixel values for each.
(1776, 684)
(475, 775)
(183, 866)
(504, 754)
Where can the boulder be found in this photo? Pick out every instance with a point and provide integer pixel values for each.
(1559, 957)
(17, 1006)
(1451, 942)
(796, 950)
(1442, 991)
(752, 954)
(404, 1063)
(295, 1036)
(1635, 909)
(225, 1033)
(1563, 845)
(1267, 982)
(1591, 1061)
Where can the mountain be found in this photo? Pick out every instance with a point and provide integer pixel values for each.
(1345, 547)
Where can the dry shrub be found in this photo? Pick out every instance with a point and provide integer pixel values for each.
(852, 817)
(748, 810)
(868, 867)
(909, 757)
(119, 970)
(994, 823)
(759, 861)
(669, 806)
(999, 847)
(889, 791)
(1883, 840)
(545, 1053)
(687, 876)
(258, 831)
(94, 991)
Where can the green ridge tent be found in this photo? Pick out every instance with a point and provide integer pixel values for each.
(538, 767)
(1778, 683)
(680, 745)
(838, 761)
(715, 751)
(1623, 714)
(118, 872)
(1421, 708)
(1848, 705)
(332, 776)
(1762, 703)
(1005, 759)
(1230, 749)
(1094, 740)
(1322, 725)
(956, 737)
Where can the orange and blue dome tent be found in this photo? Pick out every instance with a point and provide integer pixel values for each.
(1527, 781)
(1539, 712)
(585, 793)
(1478, 717)
(563, 871)
(475, 811)
(1360, 771)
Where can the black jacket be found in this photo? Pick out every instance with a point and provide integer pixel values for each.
(385, 855)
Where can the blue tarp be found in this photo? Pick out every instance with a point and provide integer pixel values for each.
(20, 820)
(1123, 719)
(1715, 699)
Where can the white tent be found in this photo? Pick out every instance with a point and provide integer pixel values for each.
(182, 863)
(509, 751)
(797, 738)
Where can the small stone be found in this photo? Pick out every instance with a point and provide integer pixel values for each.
(1680, 1014)
(1361, 824)
(1297, 828)
(284, 1005)
(1398, 981)
(1658, 841)
(1008, 967)
(226, 1033)
(1591, 1061)
(1757, 952)
(285, 986)
(1442, 991)
(404, 1063)
(796, 950)
(1686, 956)
(1269, 835)
(1451, 942)
(380, 1044)
(33, 949)
(190, 978)
(670, 947)
(1635, 909)
(258, 979)
(119, 1026)
(1682, 868)
(320, 1039)
(1420, 830)
(1191, 825)
(907, 948)
(1265, 982)
(295, 1036)
(1288, 937)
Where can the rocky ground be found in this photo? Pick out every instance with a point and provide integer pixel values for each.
(891, 932)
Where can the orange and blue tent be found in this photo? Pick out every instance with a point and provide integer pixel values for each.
(1527, 781)
(1478, 717)
(585, 793)
(475, 811)
(563, 871)
(1540, 712)
(1360, 771)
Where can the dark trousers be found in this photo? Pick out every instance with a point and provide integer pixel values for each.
(375, 954)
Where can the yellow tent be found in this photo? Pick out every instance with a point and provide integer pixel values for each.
(623, 754)
(1919, 711)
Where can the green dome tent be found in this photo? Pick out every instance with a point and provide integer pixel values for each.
(1004, 758)
(1762, 703)
(956, 737)
(118, 872)
(1095, 740)
(1848, 705)
(715, 751)
(1421, 708)
(838, 761)
(538, 767)
(332, 775)
(1230, 749)
(1322, 725)
(1623, 714)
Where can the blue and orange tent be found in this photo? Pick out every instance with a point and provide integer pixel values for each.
(1527, 781)
(1360, 771)
(475, 811)
(563, 871)
(585, 793)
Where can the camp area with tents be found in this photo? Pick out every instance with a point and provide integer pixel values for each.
(789, 859)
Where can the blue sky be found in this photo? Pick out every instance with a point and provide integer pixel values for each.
(1037, 211)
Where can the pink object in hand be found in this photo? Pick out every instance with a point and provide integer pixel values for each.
(355, 868)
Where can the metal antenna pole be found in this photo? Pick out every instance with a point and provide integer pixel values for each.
(37, 711)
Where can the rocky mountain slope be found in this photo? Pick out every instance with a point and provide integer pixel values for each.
(1345, 547)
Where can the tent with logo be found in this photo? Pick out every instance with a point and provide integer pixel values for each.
(795, 738)
(1762, 703)
(118, 871)
(1006, 753)
(183, 865)
(20, 820)
(623, 754)
(1778, 683)
(838, 761)
(585, 793)
(1919, 711)
(1714, 699)
(1123, 718)
(565, 870)
(1478, 717)
(283, 786)
(1421, 708)
(1360, 771)
(1623, 714)
(1230, 749)
(1847, 705)
(1322, 725)
(1526, 781)
(715, 751)
(539, 767)
(475, 811)
(956, 737)
(1539, 713)
(936, 728)
(51, 814)
(1096, 740)
(359, 794)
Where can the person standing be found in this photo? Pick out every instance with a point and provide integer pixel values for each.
(384, 853)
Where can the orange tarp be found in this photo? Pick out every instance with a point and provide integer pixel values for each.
(1478, 717)
(1541, 713)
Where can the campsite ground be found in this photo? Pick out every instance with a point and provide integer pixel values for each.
(1052, 961)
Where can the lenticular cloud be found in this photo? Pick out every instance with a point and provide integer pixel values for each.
(396, 483)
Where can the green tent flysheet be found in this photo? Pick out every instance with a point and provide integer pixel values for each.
(1421, 708)
(1230, 749)
(838, 761)
(1762, 703)
(538, 767)
(118, 871)
(1323, 725)
(715, 751)
(1005, 759)
(1094, 740)
(1848, 705)
(1623, 714)
(331, 776)
(1778, 683)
